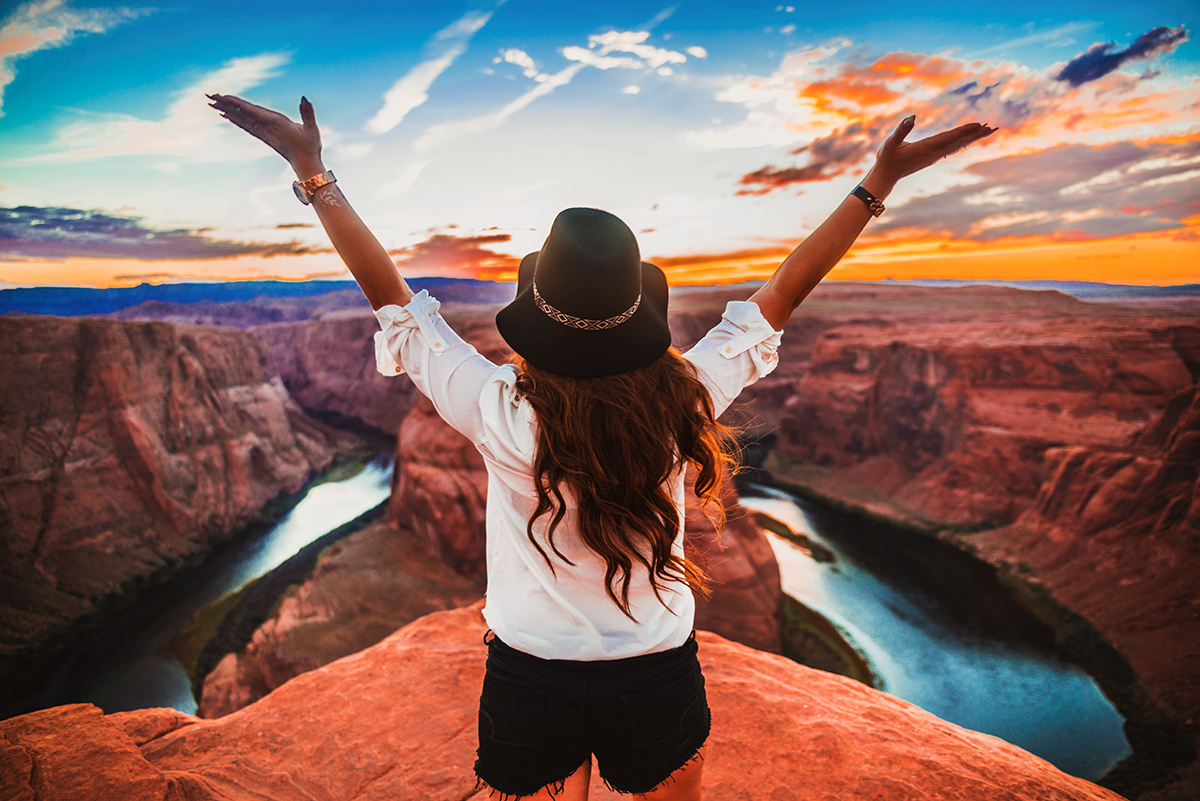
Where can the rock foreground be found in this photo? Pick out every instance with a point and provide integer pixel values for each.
(398, 721)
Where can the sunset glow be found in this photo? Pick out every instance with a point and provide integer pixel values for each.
(722, 134)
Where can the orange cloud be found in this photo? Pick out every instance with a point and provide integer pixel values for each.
(832, 103)
(1159, 258)
(459, 256)
(1156, 258)
(121, 271)
(722, 268)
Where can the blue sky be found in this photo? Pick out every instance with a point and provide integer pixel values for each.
(722, 132)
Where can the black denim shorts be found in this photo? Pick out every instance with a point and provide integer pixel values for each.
(643, 718)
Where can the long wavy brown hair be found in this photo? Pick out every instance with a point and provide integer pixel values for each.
(612, 442)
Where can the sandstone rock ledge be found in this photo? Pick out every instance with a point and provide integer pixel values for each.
(397, 721)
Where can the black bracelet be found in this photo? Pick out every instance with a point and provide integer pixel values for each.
(873, 203)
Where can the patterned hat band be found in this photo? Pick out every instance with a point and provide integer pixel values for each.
(580, 322)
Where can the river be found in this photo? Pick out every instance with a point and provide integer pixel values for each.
(935, 627)
(127, 664)
(939, 631)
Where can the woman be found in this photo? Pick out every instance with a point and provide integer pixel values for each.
(590, 594)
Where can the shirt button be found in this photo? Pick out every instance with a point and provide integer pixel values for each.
(399, 368)
(437, 344)
(729, 349)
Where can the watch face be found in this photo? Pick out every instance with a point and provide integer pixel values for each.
(300, 193)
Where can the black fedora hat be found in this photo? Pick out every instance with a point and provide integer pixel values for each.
(587, 305)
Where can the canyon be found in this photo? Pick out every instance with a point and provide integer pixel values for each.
(1053, 438)
(951, 412)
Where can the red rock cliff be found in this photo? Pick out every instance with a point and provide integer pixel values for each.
(329, 367)
(946, 421)
(125, 449)
(1114, 534)
(363, 588)
(398, 721)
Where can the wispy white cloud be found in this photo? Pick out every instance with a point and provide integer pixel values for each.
(189, 129)
(446, 132)
(634, 42)
(44, 24)
(405, 178)
(597, 59)
(657, 18)
(413, 89)
(597, 54)
(1058, 36)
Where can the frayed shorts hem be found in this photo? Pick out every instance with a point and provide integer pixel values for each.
(556, 787)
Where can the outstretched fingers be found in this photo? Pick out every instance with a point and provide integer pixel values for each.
(901, 158)
(241, 113)
(307, 115)
(288, 138)
(902, 130)
(956, 137)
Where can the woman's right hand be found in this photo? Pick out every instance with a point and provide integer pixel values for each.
(299, 143)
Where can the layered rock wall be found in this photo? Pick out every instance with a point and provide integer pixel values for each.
(1114, 534)
(127, 449)
(949, 424)
(329, 367)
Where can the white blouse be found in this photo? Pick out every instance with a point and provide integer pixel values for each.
(564, 613)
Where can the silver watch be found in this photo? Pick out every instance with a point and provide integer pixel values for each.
(307, 188)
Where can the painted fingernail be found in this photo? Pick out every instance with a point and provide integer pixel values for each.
(911, 118)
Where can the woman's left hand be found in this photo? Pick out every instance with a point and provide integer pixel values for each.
(299, 143)
(898, 158)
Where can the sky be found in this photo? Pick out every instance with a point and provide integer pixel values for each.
(722, 132)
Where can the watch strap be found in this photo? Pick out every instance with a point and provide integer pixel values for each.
(308, 187)
(873, 203)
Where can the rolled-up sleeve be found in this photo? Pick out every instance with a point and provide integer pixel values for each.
(738, 351)
(415, 339)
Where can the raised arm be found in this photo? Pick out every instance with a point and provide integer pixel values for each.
(823, 249)
(300, 144)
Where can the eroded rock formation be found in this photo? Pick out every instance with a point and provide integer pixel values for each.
(746, 604)
(363, 588)
(947, 423)
(439, 492)
(398, 721)
(329, 367)
(1114, 534)
(127, 449)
